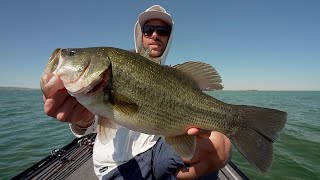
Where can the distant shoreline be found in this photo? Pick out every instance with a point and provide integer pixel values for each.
(18, 88)
(248, 90)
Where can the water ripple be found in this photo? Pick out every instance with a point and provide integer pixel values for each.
(28, 135)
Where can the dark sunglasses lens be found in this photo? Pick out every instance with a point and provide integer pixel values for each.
(148, 30)
(163, 30)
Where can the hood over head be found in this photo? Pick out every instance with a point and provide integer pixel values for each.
(154, 12)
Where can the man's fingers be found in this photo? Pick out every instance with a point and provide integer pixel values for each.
(52, 105)
(199, 132)
(67, 109)
(80, 113)
(185, 173)
(193, 131)
(193, 172)
(51, 85)
(60, 105)
(186, 160)
(46, 78)
(44, 98)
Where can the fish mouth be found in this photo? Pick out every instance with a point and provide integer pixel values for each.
(104, 80)
(54, 59)
(93, 87)
(48, 72)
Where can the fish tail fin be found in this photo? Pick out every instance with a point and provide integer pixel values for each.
(260, 130)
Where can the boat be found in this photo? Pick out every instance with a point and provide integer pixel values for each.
(74, 161)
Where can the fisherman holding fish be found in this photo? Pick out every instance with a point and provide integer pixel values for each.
(128, 154)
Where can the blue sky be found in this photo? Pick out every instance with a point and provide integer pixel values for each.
(264, 45)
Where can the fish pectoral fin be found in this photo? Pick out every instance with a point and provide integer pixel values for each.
(106, 130)
(206, 77)
(123, 104)
(184, 145)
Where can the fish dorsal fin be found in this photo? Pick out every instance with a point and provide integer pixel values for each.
(123, 104)
(145, 52)
(206, 77)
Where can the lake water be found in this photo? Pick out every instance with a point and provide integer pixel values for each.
(27, 135)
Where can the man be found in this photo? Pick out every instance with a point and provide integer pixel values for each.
(133, 155)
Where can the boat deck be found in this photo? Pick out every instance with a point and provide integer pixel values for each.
(74, 161)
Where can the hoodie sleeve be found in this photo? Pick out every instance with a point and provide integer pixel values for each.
(80, 132)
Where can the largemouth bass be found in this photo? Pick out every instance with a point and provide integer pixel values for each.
(136, 93)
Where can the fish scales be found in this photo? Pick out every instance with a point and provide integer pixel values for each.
(173, 103)
(144, 96)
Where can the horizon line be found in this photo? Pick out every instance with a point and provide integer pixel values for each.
(34, 88)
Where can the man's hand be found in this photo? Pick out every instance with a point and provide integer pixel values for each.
(60, 105)
(213, 151)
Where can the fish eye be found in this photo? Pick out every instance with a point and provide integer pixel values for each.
(72, 52)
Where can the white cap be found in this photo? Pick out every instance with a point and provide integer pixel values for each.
(155, 12)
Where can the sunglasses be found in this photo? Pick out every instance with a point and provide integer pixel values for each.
(148, 30)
